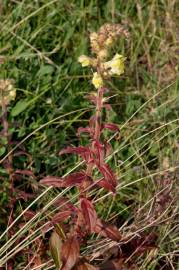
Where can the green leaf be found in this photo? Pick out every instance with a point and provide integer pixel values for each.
(20, 106)
(2, 171)
(44, 70)
(55, 248)
(2, 150)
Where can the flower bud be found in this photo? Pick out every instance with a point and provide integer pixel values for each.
(103, 54)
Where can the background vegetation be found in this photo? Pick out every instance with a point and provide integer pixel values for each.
(40, 43)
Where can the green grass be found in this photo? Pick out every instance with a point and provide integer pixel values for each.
(40, 43)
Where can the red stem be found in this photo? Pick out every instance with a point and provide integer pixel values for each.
(97, 127)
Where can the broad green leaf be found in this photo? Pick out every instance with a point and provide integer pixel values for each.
(20, 106)
(44, 70)
(2, 150)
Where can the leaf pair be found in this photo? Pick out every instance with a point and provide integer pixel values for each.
(109, 180)
(96, 225)
(107, 230)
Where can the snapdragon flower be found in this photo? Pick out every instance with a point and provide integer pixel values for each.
(97, 80)
(84, 60)
(116, 65)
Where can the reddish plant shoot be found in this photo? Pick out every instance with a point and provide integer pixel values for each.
(83, 219)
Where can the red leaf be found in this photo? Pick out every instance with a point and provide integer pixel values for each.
(74, 150)
(87, 184)
(70, 253)
(23, 195)
(74, 179)
(83, 130)
(52, 181)
(80, 226)
(107, 230)
(111, 232)
(99, 151)
(89, 214)
(65, 204)
(105, 184)
(107, 107)
(25, 172)
(92, 98)
(61, 216)
(108, 148)
(84, 152)
(92, 122)
(107, 173)
(29, 214)
(110, 126)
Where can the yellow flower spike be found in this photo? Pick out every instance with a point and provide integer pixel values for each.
(97, 80)
(84, 60)
(116, 65)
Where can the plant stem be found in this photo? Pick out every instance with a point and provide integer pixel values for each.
(9, 164)
(97, 127)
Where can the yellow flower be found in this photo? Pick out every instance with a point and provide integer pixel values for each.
(97, 80)
(84, 60)
(116, 65)
(12, 94)
(109, 41)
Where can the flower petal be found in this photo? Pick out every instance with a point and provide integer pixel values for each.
(97, 80)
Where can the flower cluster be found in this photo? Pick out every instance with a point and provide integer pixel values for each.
(101, 42)
(7, 91)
